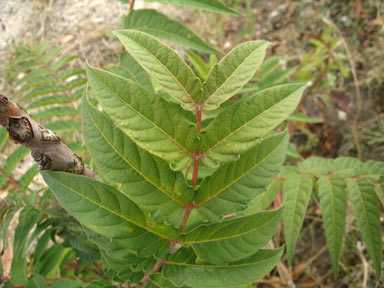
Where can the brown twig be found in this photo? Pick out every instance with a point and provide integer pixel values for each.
(47, 148)
(188, 209)
(357, 87)
(131, 5)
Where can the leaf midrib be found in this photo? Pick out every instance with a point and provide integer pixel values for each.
(247, 123)
(165, 67)
(243, 175)
(228, 78)
(113, 212)
(237, 235)
(335, 232)
(292, 219)
(365, 216)
(132, 166)
(218, 266)
(170, 137)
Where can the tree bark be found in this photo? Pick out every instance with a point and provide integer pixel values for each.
(47, 148)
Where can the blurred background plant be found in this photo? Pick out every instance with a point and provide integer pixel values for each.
(39, 238)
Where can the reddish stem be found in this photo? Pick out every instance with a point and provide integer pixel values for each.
(131, 5)
(187, 212)
(196, 162)
(198, 118)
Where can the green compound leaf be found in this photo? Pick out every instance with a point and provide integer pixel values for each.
(164, 65)
(297, 190)
(27, 220)
(333, 205)
(56, 99)
(38, 82)
(129, 68)
(156, 280)
(182, 269)
(44, 90)
(300, 117)
(144, 178)
(37, 281)
(110, 213)
(64, 126)
(3, 137)
(117, 253)
(240, 127)
(380, 193)
(158, 25)
(232, 73)
(209, 5)
(27, 178)
(367, 212)
(234, 239)
(233, 185)
(266, 198)
(17, 155)
(198, 63)
(55, 112)
(148, 120)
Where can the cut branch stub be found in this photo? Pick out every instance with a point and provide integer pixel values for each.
(47, 148)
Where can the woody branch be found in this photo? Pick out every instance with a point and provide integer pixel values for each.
(47, 148)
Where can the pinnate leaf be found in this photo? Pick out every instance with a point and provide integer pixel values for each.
(64, 126)
(210, 5)
(240, 127)
(144, 178)
(152, 123)
(333, 204)
(164, 65)
(55, 112)
(49, 100)
(159, 25)
(108, 212)
(235, 239)
(129, 68)
(297, 190)
(233, 185)
(198, 63)
(181, 269)
(265, 199)
(17, 155)
(232, 73)
(365, 204)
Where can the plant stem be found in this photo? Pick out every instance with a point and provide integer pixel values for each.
(47, 148)
(196, 162)
(198, 118)
(190, 206)
(187, 212)
(131, 5)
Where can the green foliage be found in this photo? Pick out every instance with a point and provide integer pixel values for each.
(335, 181)
(210, 5)
(36, 253)
(143, 142)
(189, 164)
(48, 85)
(324, 61)
(158, 25)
